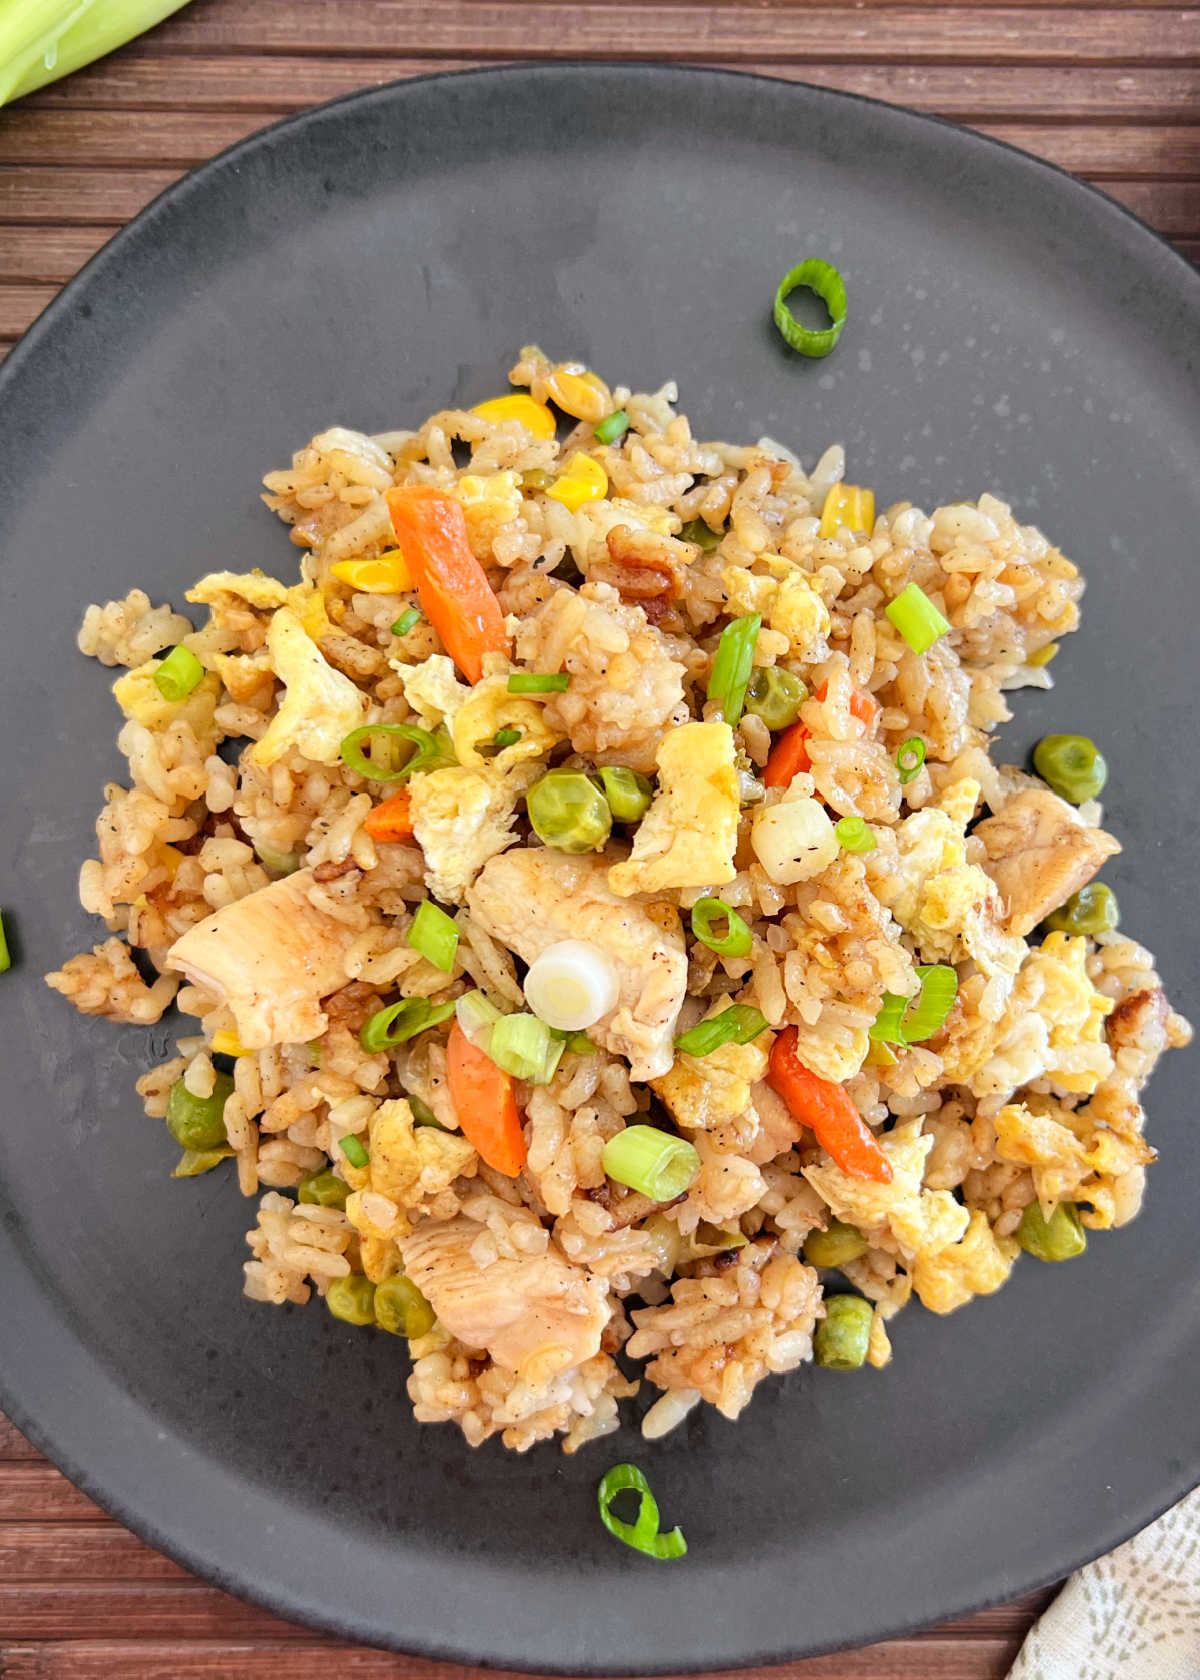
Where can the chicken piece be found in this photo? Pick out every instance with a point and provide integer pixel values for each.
(532, 898)
(688, 836)
(1038, 854)
(271, 956)
(535, 1314)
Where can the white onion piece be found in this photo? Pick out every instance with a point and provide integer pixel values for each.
(794, 840)
(572, 985)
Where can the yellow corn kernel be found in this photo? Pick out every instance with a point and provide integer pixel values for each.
(387, 574)
(579, 392)
(849, 505)
(170, 857)
(1044, 655)
(534, 416)
(584, 480)
(227, 1043)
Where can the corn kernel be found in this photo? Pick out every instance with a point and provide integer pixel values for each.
(1043, 656)
(227, 1043)
(584, 480)
(579, 393)
(534, 416)
(849, 505)
(387, 574)
(170, 857)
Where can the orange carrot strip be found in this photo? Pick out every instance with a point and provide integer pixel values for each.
(827, 1111)
(391, 820)
(788, 756)
(485, 1102)
(455, 594)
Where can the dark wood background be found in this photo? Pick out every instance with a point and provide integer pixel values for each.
(1109, 91)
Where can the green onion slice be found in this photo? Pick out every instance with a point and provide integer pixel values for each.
(539, 682)
(733, 664)
(178, 674)
(476, 1016)
(405, 622)
(658, 1164)
(613, 427)
(823, 279)
(506, 737)
(916, 618)
(855, 835)
(525, 1047)
(400, 1022)
(628, 792)
(910, 758)
(422, 1114)
(354, 1151)
(578, 1043)
(643, 1535)
(432, 750)
(904, 1020)
(434, 934)
(700, 532)
(738, 1024)
(707, 913)
(5, 958)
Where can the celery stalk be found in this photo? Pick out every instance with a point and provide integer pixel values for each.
(41, 40)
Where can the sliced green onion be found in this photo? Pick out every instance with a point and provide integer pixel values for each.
(643, 1535)
(733, 664)
(578, 1043)
(734, 942)
(911, 1020)
(525, 1047)
(910, 758)
(5, 959)
(823, 279)
(178, 674)
(916, 618)
(405, 622)
(399, 1022)
(506, 737)
(422, 1114)
(855, 835)
(701, 533)
(434, 934)
(658, 1164)
(433, 750)
(738, 1024)
(476, 1016)
(628, 792)
(352, 1148)
(539, 682)
(324, 1189)
(613, 427)
(193, 1162)
(52, 38)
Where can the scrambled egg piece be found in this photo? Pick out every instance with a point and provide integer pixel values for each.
(463, 817)
(255, 588)
(1052, 1027)
(1072, 1159)
(833, 1058)
(922, 1221)
(688, 836)
(704, 1091)
(489, 708)
(409, 1165)
(977, 1265)
(320, 706)
(138, 697)
(788, 602)
(432, 689)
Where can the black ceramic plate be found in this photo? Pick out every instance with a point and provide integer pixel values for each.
(368, 263)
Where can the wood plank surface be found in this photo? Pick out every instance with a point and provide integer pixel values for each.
(1108, 90)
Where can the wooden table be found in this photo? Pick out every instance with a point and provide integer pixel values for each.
(1112, 92)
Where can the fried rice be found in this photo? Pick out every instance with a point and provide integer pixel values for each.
(554, 1289)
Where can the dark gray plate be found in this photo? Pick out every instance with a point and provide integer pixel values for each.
(367, 263)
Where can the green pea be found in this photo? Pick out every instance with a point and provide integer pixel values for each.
(843, 1335)
(401, 1309)
(537, 478)
(698, 531)
(628, 792)
(352, 1299)
(325, 1189)
(1061, 1237)
(775, 696)
(1072, 765)
(198, 1122)
(1093, 909)
(569, 812)
(836, 1245)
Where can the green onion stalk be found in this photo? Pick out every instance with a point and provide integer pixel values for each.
(41, 40)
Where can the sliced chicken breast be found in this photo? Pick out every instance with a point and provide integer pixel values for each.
(1038, 854)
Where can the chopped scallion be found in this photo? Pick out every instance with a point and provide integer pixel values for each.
(613, 427)
(733, 664)
(855, 835)
(434, 934)
(178, 674)
(904, 1020)
(738, 1024)
(539, 682)
(506, 737)
(909, 759)
(823, 279)
(405, 622)
(401, 1021)
(432, 750)
(353, 1149)
(476, 1016)
(525, 1047)
(707, 914)
(643, 1535)
(657, 1164)
(698, 531)
(916, 618)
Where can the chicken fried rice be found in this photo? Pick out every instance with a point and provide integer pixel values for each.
(611, 949)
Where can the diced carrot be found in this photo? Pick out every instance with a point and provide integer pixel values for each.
(827, 1111)
(391, 820)
(455, 594)
(788, 756)
(485, 1101)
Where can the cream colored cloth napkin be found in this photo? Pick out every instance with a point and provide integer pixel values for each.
(1133, 1615)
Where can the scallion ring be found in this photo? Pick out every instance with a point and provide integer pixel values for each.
(539, 682)
(909, 759)
(613, 428)
(707, 914)
(855, 835)
(352, 1148)
(823, 279)
(178, 674)
(733, 664)
(400, 1021)
(643, 1535)
(912, 1020)
(405, 622)
(738, 1024)
(916, 618)
(431, 750)
(434, 934)
(657, 1164)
